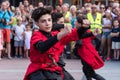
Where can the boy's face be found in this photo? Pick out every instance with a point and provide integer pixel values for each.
(45, 23)
(116, 23)
(61, 21)
(19, 22)
(86, 23)
(77, 24)
(28, 28)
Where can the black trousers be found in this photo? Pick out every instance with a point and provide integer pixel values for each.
(48, 75)
(87, 69)
(67, 75)
(45, 75)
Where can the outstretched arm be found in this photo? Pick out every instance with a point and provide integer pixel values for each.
(57, 27)
(45, 45)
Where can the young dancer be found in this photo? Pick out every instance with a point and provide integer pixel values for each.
(58, 22)
(88, 54)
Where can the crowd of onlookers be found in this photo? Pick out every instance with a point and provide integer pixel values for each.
(17, 26)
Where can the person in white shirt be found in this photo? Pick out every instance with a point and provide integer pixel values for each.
(18, 31)
(106, 39)
(27, 37)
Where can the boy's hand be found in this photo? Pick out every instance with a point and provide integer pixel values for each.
(86, 23)
(66, 30)
(96, 32)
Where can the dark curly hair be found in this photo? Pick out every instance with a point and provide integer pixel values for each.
(56, 16)
(80, 19)
(37, 13)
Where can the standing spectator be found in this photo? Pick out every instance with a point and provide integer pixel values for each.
(18, 37)
(27, 37)
(102, 10)
(79, 13)
(115, 39)
(31, 8)
(12, 25)
(58, 8)
(23, 11)
(95, 18)
(117, 14)
(1, 43)
(17, 12)
(40, 4)
(26, 5)
(106, 39)
(96, 22)
(73, 10)
(66, 13)
(6, 17)
(88, 10)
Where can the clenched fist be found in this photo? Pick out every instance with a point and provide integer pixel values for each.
(66, 30)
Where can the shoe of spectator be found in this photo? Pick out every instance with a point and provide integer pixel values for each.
(21, 56)
(9, 57)
(16, 56)
(115, 59)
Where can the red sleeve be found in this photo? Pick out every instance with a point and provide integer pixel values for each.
(36, 37)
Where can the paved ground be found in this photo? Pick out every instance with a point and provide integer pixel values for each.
(15, 69)
(111, 70)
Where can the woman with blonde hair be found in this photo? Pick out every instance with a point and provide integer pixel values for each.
(106, 34)
(73, 10)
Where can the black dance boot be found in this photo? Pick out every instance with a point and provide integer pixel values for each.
(89, 78)
(98, 77)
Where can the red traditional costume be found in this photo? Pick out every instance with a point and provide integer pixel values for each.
(42, 60)
(89, 54)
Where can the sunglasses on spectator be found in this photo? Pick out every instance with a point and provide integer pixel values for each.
(102, 8)
(79, 12)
